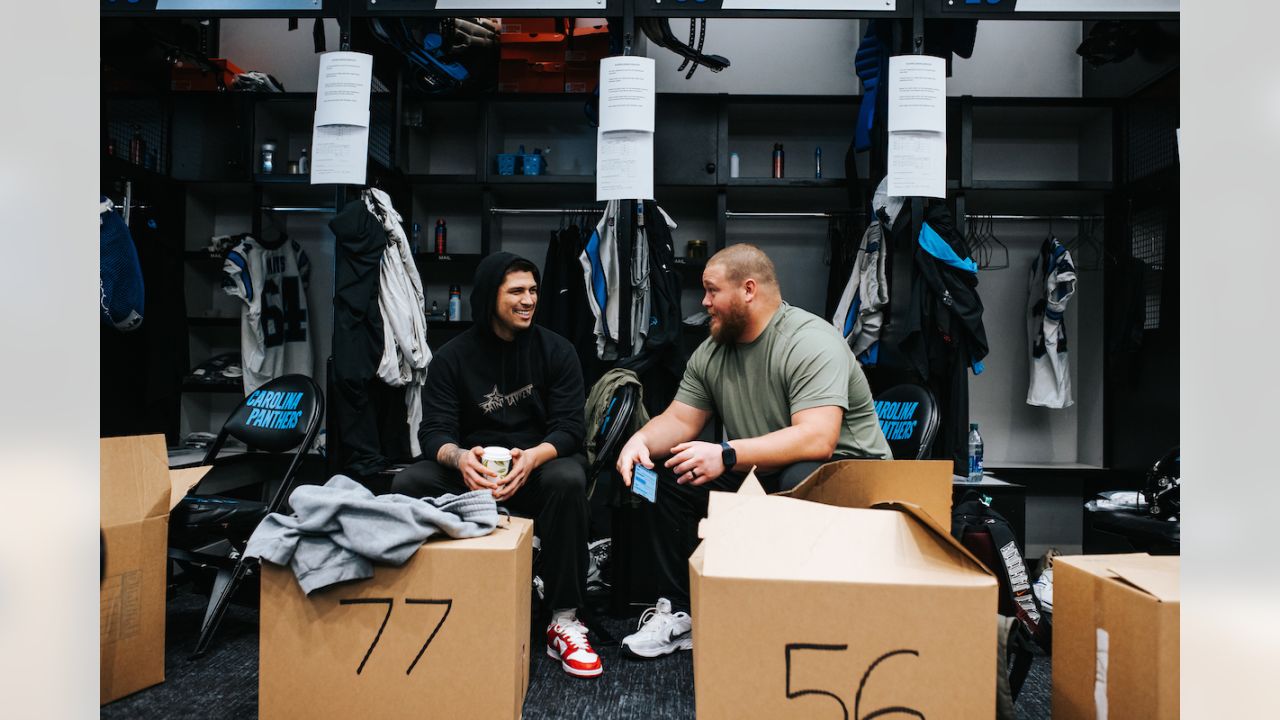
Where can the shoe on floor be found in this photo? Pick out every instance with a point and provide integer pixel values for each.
(567, 642)
(661, 632)
(1043, 587)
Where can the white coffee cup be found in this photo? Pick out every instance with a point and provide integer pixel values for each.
(497, 459)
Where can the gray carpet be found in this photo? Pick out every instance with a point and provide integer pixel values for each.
(224, 683)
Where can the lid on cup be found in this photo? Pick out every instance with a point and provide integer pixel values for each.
(497, 453)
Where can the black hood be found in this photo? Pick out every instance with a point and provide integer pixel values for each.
(484, 294)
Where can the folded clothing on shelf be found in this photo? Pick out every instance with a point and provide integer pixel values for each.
(221, 369)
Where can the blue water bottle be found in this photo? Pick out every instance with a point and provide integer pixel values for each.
(455, 303)
(975, 454)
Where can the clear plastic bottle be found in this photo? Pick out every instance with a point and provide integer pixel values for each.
(267, 157)
(455, 302)
(304, 164)
(975, 454)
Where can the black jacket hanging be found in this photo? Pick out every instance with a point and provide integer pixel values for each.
(942, 331)
(563, 307)
(141, 371)
(660, 362)
(562, 297)
(357, 342)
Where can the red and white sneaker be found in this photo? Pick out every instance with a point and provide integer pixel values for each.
(567, 642)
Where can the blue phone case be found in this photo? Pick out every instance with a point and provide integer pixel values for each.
(644, 482)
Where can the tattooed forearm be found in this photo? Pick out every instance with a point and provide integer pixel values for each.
(451, 456)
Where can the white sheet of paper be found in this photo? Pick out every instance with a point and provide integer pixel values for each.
(339, 154)
(520, 4)
(627, 93)
(863, 5)
(624, 165)
(918, 164)
(917, 93)
(342, 91)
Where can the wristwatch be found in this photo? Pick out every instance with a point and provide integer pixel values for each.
(728, 456)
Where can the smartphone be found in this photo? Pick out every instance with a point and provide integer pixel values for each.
(644, 482)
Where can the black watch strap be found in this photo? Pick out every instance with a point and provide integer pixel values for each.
(728, 455)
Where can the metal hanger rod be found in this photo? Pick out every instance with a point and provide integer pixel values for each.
(735, 214)
(545, 211)
(1035, 217)
(301, 210)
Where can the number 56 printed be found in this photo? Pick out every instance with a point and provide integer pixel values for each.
(792, 648)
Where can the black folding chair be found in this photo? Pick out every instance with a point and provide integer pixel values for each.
(909, 419)
(210, 531)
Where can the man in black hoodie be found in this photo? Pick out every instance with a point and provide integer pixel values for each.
(506, 382)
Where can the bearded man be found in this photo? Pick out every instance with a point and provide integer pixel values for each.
(791, 397)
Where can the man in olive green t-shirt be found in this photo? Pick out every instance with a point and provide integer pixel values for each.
(791, 396)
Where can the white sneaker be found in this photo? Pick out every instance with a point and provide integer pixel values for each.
(661, 632)
(1043, 589)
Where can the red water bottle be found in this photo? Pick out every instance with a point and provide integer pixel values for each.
(441, 231)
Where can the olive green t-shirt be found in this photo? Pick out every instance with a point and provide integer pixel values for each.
(798, 362)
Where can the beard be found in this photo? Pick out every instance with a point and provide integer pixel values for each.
(729, 326)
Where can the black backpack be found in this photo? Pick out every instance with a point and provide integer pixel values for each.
(989, 536)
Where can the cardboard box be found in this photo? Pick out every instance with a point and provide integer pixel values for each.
(532, 47)
(587, 44)
(136, 492)
(186, 76)
(527, 25)
(446, 635)
(1115, 636)
(530, 77)
(581, 77)
(812, 605)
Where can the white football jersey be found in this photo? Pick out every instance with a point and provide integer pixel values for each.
(275, 334)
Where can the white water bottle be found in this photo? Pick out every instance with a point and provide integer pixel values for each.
(975, 454)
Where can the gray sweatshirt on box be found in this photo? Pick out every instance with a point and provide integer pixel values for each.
(340, 529)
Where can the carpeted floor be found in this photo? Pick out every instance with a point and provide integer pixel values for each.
(224, 683)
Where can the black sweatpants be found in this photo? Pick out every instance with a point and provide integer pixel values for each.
(673, 526)
(554, 496)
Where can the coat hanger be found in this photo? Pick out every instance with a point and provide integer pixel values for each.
(997, 251)
(973, 236)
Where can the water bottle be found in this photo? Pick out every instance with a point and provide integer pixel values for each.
(267, 157)
(975, 454)
(455, 302)
(441, 235)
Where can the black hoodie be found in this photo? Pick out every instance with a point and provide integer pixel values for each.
(482, 390)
